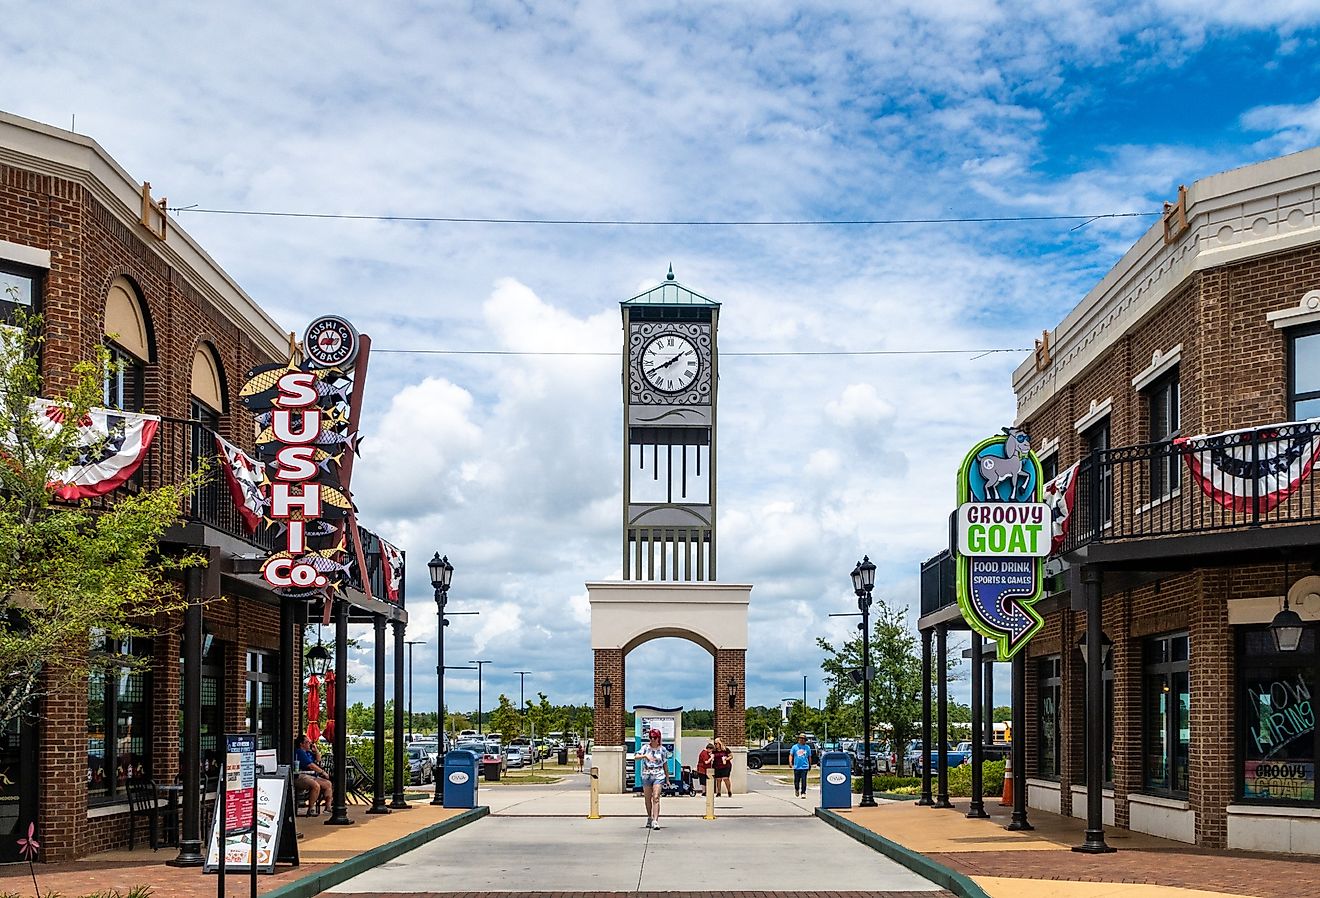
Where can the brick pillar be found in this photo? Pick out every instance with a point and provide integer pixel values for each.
(62, 768)
(731, 723)
(1211, 677)
(1127, 710)
(165, 673)
(608, 722)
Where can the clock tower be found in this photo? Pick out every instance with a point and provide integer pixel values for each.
(668, 589)
(670, 382)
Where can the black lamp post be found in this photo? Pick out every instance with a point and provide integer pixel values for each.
(481, 665)
(863, 578)
(442, 574)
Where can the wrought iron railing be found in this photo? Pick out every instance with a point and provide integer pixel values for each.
(1248, 478)
(937, 583)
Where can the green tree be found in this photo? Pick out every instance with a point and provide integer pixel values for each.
(505, 719)
(896, 687)
(1003, 714)
(75, 582)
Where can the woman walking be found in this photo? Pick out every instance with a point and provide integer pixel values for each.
(722, 761)
(704, 766)
(655, 773)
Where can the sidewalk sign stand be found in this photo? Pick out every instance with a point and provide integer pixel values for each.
(265, 819)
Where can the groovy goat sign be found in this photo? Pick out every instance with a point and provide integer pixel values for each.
(306, 417)
(1003, 534)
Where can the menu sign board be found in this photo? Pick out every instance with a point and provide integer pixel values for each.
(240, 782)
(271, 794)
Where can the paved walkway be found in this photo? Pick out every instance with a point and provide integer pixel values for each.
(764, 841)
(1041, 864)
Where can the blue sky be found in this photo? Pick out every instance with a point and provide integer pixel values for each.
(772, 110)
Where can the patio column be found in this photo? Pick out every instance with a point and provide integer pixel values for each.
(339, 808)
(988, 710)
(400, 803)
(1095, 721)
(190, 840)
(977, 808)
(925, 718)
(1019, 821)
(378, 749)
(290, 694)
(942, 740)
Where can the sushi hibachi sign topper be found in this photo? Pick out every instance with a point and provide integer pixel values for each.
(1003, 536)
(306, 440)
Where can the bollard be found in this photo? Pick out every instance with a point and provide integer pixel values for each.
(595, 794)
(710, 798)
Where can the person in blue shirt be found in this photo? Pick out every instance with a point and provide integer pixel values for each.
(311, 776)
(800, 757)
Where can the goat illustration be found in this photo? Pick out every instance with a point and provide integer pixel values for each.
(1011, 466)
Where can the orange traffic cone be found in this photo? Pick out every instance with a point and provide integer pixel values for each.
(1007, 799)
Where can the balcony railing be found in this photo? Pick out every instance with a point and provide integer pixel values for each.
(1247, 478)
(937, 583)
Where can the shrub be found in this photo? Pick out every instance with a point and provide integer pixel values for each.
(888, 783)
(960, 781)
(365, 752)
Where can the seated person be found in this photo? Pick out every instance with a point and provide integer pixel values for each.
(311, 776)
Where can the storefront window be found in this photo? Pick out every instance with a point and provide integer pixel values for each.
(262, 690)
(1279, 742)
(119, 720)
(1051, 688)
(1166, 704)
(20, 290)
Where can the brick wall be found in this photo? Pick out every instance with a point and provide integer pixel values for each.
(608, 722)
(731, 723)
(89, 248)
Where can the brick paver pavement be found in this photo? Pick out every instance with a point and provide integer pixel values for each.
(748, 894)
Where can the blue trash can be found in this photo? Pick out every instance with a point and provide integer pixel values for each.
(836, 779)
(460, 778)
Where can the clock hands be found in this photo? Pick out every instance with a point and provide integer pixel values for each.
(668, 363)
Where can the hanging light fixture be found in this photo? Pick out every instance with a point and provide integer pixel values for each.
(1287, 626)
(606, 689)
(733, 692)
(318, 660)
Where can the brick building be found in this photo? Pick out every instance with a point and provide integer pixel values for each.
(1196, 513)
(82, 244)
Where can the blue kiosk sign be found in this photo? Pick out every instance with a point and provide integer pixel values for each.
(1002, 536)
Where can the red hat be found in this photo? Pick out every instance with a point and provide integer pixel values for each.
(654, 734)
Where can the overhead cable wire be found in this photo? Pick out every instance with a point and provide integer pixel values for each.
(723, 354)
(681, 223)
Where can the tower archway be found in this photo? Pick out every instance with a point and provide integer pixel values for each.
(625, 615)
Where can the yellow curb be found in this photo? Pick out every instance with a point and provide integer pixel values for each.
(1008, 887)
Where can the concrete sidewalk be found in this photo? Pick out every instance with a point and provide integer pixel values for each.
(1041, 863)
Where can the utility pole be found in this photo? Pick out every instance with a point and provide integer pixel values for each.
(522, 701)
(480, 666)
(410, 643)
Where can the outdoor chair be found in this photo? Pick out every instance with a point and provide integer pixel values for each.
(357, 780)
(142, 803)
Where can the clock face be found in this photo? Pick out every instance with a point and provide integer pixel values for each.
(670, 363)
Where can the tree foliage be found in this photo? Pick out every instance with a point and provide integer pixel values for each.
(505, 719)
(76, 582)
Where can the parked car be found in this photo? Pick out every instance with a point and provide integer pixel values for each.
(430, 746)
(515, 756)
(881, 758)
(775, 753)
(914, 758)
(420, 769)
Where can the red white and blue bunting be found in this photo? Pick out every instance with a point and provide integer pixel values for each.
(1059, 494)
(1256, 467)
(112, 445)
(247, 482)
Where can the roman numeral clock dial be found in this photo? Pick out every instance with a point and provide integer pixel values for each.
(670, 363)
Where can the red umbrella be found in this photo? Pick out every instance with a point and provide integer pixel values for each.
(330, 706)
(314, 708)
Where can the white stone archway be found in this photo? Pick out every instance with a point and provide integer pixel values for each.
(626, 614)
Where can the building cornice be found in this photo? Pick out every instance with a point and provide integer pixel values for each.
(42, 149)
(1257, 210)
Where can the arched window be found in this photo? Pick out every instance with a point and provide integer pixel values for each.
(206, 404)
(128, 341)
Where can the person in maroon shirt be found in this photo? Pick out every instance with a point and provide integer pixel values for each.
(722, 761)
(704, 764)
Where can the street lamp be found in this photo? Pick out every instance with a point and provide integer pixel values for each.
(863, 578)
(410, 644)
(318, 660)
(442, 574)
(481, 665)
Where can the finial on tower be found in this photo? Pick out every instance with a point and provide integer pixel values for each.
(670, 276)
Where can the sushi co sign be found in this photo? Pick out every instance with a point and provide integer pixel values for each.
(307, 418)
(1003, 534)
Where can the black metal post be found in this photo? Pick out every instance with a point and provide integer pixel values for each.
(400, 803)
(481, 666)
(289, 693)
(988, 711)
(441, 597)
(868, 794)
(190, 842)
(1019, 820)
(339, 806)
(942, 697)
(1095, 723)
(977, 807)
(926, 798)
(378, 750)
